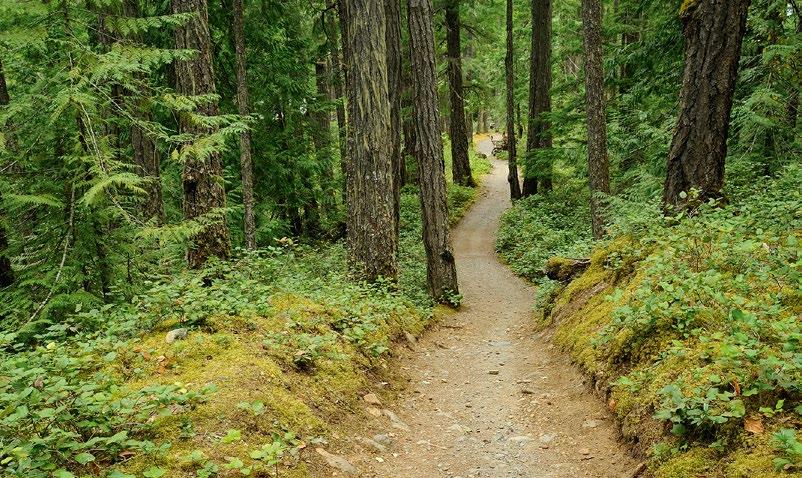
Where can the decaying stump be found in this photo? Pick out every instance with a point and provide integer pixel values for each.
(564, 269)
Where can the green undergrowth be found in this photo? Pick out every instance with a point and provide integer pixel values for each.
(690, 325)
(279, 348)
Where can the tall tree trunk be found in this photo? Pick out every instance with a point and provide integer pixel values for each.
(792, 106)
(461, 166)
(392, 9)
(408, 126)
(337, 81)
(441, 272)
(713, 31)
(512, 175)
(243, 107)
(146, 155)
(538, 131)
(372, 243)
(6, 272)
(322, 139)
(598, 163)
(201, 177)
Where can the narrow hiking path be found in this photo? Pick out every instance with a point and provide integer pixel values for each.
(488, 395)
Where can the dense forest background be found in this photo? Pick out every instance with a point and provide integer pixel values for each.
(184, 160)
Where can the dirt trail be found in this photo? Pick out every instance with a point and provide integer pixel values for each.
(489, 396)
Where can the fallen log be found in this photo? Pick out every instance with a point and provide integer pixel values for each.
(564, 269)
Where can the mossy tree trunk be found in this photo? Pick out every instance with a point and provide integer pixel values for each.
(204, 196)
(713, 31)
(243, 106)
(598, 162)
(512, 175)
(461, 166)
(538, 130)
(441, 270)
(372, 241)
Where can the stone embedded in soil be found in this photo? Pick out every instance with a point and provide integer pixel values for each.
(383, 439)
(372, 399)
(372, 444)
(395, 421)
(176, 334)
(338, 462)
(493, 372)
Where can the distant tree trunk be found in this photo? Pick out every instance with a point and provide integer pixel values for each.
(461, 166)
(441, 271)
(408, 127)
(243, 106)
(322, 140)
(792, 107)
(512, 175)
(372, 243)
(598, 163)
(713, 31)
(6, 272)
(538, 131)
(519, 120)
(337, 83)
(392, 9)
(201, 177)
(146, 155)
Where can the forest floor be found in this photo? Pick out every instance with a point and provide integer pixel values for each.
(487, 393)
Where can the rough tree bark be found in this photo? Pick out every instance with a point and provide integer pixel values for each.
(372, 243)
(6, 272)
(243, 107)
(713, 31)
(512, 175)
(598, 162)
(392, 9)
(461, 166)
(146, 155)
(337, 81)
(408, 125)
(538, 130)
(441, 271)
(201, 176)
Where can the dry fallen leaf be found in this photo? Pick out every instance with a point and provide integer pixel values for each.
(754, 425)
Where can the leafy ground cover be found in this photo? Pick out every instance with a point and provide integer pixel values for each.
(689, 325)
(276, 348)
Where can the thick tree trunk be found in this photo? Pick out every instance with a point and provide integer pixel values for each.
(6, 272)
(461, 166)
(713, 31)
(538, 131)
(598, 163)
(372, 243)
(512, 175)
(337, 81)
(201, 176)
(392, 9)
(243, 106)
(440, 267)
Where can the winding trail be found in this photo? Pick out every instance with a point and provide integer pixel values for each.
(489, 396)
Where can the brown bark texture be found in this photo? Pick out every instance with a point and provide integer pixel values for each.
(461, 166)
(512, 175)
(441, 271)
(392, 9)
(145, 152)
(538, 130)
(713, 31)
(372, 241)
(201, 176)
(6, 272)
(337, 81)
(243, 107)
(598, 162)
